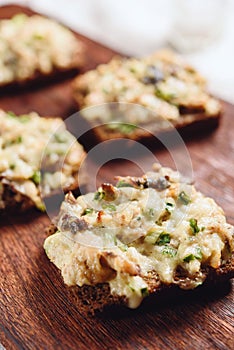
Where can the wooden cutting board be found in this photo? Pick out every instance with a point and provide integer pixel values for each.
(36, 311)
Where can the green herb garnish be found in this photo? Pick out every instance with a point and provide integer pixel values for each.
(38, 36)
(189, 258)
(16, 141)
(163, 239)
(163, 217)
(36, 177)
(123, 128)
(123, 183)
(164, 95)
(11, 114)
(132, 70)
(88, 211)
(197, 255)
(60, 138)
(193, 225)
(184, 198)
(170, 251)
(110, 207)
(24, 118)
(12, 166)
(99, 195)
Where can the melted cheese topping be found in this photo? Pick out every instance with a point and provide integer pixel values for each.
(154, 224)
(27, 139)
(35, 44)
(162, 82)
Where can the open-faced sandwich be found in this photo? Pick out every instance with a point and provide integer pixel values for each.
(37, 154)
(139, 238)
(173, 92)
(33, 48)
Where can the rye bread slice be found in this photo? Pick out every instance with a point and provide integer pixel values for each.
(38, 75)
(33, 148)
(95, 300)
(193, 111)
(186, 254)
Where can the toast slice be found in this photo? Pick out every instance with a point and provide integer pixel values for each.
(38, 155)
(173, 93)
(34, 49)
(144, 236)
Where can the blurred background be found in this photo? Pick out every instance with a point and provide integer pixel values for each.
(203, 31)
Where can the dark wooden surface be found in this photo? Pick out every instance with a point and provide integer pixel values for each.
(36, 311)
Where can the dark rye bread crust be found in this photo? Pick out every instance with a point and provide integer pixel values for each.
(150, 130)
(95, 299)
(12, 200)
(150, 135)
(38, 80)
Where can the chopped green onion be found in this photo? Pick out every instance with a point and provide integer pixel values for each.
(12, 166)
(184, 198)
(60, 138)
(110, 207)
(164, 95)
(193, 225)
(36, 177)
(88, 211)
(24, 118)
(124, 128)
(163, 217)
(11, 114)
(197, 255)
(123, 183)
(98, 195)
(122, 246)
(19, 139)
(132, 70)
(170, 251)
(189, 258)
(163, 239)
(38, 36)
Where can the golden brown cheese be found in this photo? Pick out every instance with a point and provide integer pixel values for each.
(120, 235)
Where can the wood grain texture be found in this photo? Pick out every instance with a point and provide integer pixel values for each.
(36, 310)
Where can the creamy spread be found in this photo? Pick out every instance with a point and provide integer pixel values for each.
(162, 82)
(25, 141)
(31, 44)
(122, 234)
